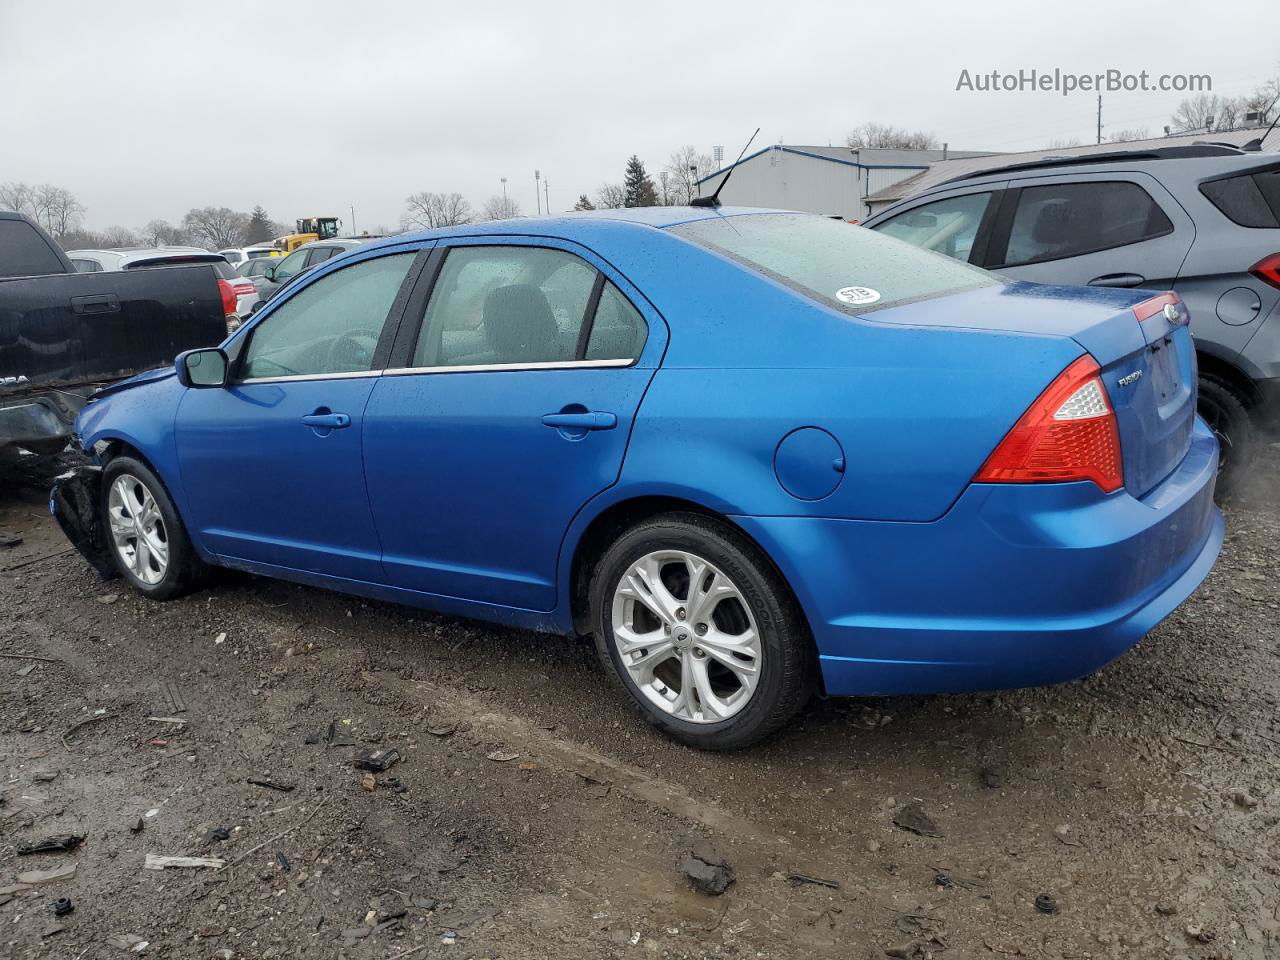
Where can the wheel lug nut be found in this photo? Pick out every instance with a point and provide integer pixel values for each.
(700, 629)
(680, 613)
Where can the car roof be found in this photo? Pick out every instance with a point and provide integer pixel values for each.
(567, 225)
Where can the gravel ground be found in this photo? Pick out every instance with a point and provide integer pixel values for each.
(533, 816)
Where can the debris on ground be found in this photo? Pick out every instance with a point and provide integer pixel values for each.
(129, 943)
(503, 756)
(707, 870)
(272, 784)
(1046, 904)
(137, 825)
(62, 906)
(1244, 799)
(217, 835)
(369, 782)
(27, 670)
(9, 540)
(913, 818)
(155, 861)
(54, 844)
(36, 877)
(378, 761)
(44, 776)
(993, 775)
(801, 879)
(916, 949)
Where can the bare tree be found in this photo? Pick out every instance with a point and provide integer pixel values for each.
(215, 227)
(499, 207)
(611, 196)
(429, 209)
(685, 167)
(1063, 143)
(872, 135)
(1194, 113)
(54, 208)
(1133, 133)
(162, 233)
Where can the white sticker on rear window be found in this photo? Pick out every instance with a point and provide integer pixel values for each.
(857, 295)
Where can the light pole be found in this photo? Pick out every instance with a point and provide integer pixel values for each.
(537, 190)
(504, 190)
(546, 189)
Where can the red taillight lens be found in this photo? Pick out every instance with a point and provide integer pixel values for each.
(243, 288)
(1268, 270)
(1149, 308)
(228, 296)
(1069, 433)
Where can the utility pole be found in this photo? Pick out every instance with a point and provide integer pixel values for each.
(546, 189)
(1099, 118)
(537, 190)
(353, 219)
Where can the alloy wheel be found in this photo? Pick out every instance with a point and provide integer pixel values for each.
(686, 635)
(137, 529)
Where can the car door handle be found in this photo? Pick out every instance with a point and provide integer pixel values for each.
(589, 420)
(329, 421)
(1118, 280)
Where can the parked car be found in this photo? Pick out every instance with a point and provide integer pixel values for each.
(753, 453)
(136, 258)
(1203, 221)
(65, 334)
(310, 255)
(238, 255)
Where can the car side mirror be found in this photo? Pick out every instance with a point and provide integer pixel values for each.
(203, 368)
(270, 272)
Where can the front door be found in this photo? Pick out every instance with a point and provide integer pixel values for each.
(272, 463)
(513, 410)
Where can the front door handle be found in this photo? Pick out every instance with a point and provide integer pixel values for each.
(327, 421)
(587, 420)
(1118, 280)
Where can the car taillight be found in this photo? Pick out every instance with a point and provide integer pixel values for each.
(1069, 433)
(228, 296)
(1268, 270)
(243, 288)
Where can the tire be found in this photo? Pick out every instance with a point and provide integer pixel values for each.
(763, 684)
(126, 483)
(1224, 410)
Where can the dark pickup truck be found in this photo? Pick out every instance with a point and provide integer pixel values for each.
(65, 334)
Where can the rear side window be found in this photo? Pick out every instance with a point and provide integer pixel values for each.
(845, 266)
(1250, 199)
(947, 226)
(24, 253)
(1070, 219)
(618, 331)
(86, 266)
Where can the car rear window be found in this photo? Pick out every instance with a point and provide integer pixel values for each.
(24, 253)
(844, 266)
(1249, 199)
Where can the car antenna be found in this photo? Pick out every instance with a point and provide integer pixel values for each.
(714, 199)
(1262, 139)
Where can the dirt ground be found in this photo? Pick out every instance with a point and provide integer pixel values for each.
(532, 815)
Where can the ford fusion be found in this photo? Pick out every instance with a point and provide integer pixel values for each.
(754, 454)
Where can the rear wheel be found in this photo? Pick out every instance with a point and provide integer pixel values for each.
(1224, 410)
(701, 632)
(149, 544)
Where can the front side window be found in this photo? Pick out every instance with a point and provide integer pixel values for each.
(1070, 219)
(505, 305)
(330, 326)
(847, 267)
(947, 226)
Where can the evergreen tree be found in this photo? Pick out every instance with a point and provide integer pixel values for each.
(637, 187)
(260, 228)
(584, 203)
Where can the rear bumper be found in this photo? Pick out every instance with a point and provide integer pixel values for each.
(40, 422)
(1017, 585)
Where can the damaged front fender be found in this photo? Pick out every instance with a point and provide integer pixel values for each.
(73, 501)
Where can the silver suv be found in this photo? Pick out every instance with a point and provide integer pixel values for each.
(1203, 221)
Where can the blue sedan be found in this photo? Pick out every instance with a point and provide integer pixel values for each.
(754, 454)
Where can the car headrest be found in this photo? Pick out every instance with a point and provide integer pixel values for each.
(1053, 223)
(519, 324)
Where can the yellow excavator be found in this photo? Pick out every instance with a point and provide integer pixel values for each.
(308, 229)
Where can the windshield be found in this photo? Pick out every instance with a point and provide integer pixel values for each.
(845, 266)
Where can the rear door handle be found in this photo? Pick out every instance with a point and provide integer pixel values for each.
(1118, 280)
(590, 420)
(105, 303)
(329, 421)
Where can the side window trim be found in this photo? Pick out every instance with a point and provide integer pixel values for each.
(400, 362)
(386, 339)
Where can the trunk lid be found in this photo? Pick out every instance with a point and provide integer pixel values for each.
(1148, 367)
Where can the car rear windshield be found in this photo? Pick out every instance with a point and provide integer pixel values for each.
(845, 266)
(1249, 199)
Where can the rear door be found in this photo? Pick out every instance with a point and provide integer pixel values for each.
(271, 463)
(511, 408)
(1109, 229)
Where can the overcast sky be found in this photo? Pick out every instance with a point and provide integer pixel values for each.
(146, 109)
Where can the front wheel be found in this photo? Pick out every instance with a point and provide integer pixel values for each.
(701, 632)
(149, 545)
